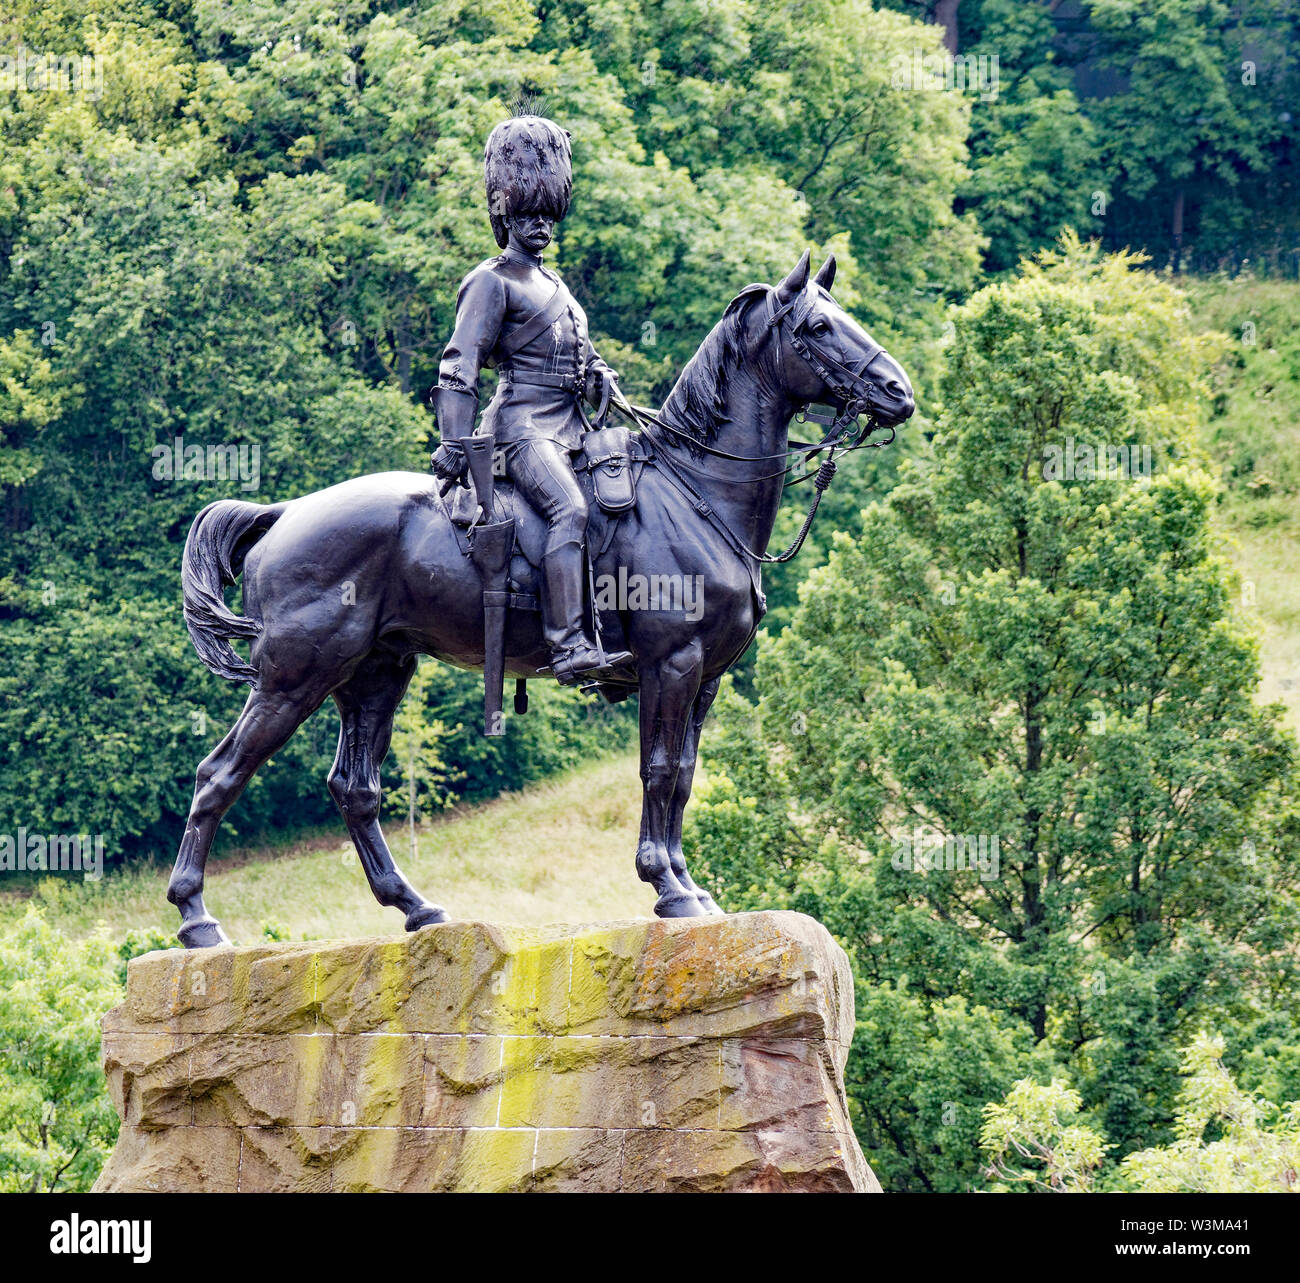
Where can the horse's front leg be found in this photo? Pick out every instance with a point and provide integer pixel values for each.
(668, 690)
(682, 794)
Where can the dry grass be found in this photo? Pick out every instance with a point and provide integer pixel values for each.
(1254, 442)
(561, 851)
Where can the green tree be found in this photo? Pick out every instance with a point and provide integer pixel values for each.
(1228, 1140)
(1034, 1139)
(802, 95)
(1196, 113)
(57, 1124)
(1035, 156)
(421, 786)
(1008, 746)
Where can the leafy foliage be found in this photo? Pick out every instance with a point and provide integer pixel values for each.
(1033, 1139)
(1007, 747)
(252, 237)
(57, 1124)
(1226, 1139)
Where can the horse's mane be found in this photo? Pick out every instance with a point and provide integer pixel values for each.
(696, 406)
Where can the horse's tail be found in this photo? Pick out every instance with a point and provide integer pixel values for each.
(218, 542)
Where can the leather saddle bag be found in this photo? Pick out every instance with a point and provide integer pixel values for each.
(607, 455)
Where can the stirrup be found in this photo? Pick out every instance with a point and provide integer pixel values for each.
(583, 662)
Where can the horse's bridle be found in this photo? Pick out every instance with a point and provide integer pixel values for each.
(849, 387)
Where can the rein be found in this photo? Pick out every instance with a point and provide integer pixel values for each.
(825, 475)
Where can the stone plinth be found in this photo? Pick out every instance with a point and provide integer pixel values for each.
(696, 1054)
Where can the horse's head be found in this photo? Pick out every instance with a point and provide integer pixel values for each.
(826, 356)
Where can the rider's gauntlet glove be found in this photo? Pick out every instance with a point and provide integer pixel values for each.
(455, 411)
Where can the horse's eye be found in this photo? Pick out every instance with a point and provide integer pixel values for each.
(821, 327)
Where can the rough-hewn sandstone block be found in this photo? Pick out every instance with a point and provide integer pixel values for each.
(699, 1054)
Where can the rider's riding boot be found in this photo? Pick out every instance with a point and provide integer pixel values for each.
(574, 656)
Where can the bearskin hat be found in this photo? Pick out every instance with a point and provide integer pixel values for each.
(527, 169)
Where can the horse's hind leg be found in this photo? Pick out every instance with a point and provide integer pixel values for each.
(367, 703)
(682, 794)
(267, 721)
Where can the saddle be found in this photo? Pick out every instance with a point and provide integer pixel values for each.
(507, 552)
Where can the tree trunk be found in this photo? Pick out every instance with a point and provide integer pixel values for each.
(945, 16)
(1179, 201)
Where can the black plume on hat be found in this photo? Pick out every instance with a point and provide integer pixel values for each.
(527, 169)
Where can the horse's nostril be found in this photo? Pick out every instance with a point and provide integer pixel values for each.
(896, 389)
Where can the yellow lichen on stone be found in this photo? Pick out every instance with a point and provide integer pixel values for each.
(701, 1054)
(394, 983)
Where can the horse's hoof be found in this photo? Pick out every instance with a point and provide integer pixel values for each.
(202, 933)
(710, 905)
(427, 915)
(677, 904)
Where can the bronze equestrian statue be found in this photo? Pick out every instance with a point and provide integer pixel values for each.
(343, 589)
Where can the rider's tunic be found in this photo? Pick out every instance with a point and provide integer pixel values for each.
(541, 384)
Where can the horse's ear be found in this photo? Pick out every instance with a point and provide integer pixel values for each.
(826, 273)
(794, 284)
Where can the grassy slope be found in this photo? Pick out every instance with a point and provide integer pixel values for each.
(1254, 439)
(556, 852)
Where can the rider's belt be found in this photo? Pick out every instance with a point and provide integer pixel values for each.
(607, 454)
(572, 382)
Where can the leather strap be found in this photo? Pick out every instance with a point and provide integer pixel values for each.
(569, 382)
(533, 326)
(519, 600)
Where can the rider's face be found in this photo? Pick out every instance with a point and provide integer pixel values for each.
(531, 232)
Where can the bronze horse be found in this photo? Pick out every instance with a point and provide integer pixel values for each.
(344, 588)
